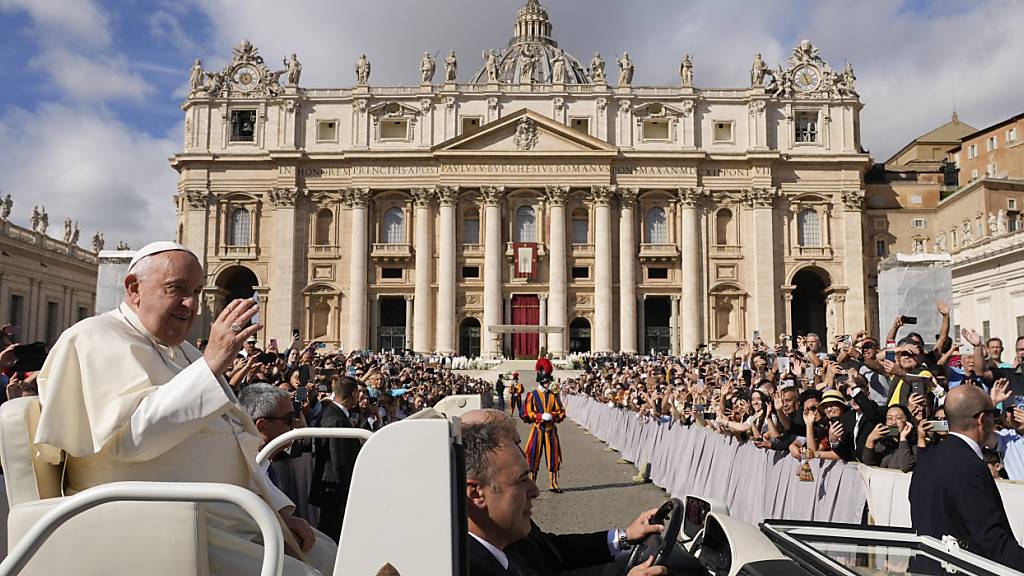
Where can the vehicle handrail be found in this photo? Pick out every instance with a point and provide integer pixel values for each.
(282, 440)
(273, 539)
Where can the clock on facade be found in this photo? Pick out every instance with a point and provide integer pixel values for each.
(806, 78)
(246, 77)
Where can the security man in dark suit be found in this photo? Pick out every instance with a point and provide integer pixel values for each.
(952, 492)
(502, 539)
(335, 458)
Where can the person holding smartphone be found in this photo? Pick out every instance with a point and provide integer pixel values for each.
(904, 366)
(892, 444)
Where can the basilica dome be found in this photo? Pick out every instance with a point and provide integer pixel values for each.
(532, 40)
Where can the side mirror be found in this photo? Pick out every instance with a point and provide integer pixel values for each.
(696, 510)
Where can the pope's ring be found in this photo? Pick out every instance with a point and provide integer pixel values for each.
(236, 327)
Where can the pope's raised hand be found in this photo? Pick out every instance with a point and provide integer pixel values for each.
(229, 332)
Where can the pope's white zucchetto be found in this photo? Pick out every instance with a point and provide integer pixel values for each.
(156, 248)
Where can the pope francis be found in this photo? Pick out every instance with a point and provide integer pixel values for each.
(125, 397)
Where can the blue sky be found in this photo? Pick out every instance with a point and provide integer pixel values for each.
(90, 109)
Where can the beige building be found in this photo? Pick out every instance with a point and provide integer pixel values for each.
(46, 284)
(544, 195)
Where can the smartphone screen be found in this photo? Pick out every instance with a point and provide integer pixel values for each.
(890, 355)
(301, 394)
(256, 317)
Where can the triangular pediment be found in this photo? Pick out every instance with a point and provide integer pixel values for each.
(525, 132)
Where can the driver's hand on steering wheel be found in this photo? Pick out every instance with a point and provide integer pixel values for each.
(646, 569)
(641, 528)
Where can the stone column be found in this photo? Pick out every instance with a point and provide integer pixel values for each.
(411, 338)
(543, 319)
(557, 288)
(375, 322)
(855, 308)
(490, 346)
(602, 333)
(358, 200)
(641, 322)
(627, 272)
(445, 324)
(197, 207)
(284, 272)
(761, 250)
(423, 312)
(691, 315)
(673, 326)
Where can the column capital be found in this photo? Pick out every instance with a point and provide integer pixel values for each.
(409, 297)
(447, 195)
(853, 200)
(422, 197)
(199, 199)
(692, 197)
(628, 196)
(676, 298)
(543, 297)
(492, 195)
(284, 197)
(356, 197)
(761, 197)
(555, 195)
(602, 195)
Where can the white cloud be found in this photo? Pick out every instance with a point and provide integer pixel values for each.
(907, 56)
(165, 26)
(93, 79)
(78, 21)
(90, 167)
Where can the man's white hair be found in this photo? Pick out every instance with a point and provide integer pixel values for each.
(261, 400)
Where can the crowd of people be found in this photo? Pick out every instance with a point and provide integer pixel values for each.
(856, 399)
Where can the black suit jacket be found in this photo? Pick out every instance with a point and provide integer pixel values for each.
(335, 458)
(952, 493)
(851, 448)
(481, 561)
(543, 554)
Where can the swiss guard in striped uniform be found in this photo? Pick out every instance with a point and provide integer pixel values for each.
(515, 395)
(543, 409)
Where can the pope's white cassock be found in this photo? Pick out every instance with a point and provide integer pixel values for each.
(123, 406)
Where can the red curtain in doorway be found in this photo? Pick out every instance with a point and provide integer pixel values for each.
(525, 312)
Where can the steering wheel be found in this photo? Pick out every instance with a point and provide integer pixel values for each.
(659, 545)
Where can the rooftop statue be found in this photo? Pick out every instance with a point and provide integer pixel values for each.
(5, 208)
(625, 70)
(558, 68)
(427, 68)
(362, 71)
(597, 69)
(75, 233)
(196, 78)
(529, 60)
(67, 230)
(491, 66)
(97, 242)
(686, 71)
(294, 70)
(451, 67)
(757, 71)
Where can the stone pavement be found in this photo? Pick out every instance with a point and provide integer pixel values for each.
(599, 492)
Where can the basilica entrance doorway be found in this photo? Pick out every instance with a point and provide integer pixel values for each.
(525, 312)
(809, 302)
(237, 282)
(657, 322)
(391, 332)
(579, 336)
(469, 338)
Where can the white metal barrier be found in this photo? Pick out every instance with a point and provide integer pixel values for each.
(292, 435)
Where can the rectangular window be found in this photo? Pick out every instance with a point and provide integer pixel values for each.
(580, 272)
(52, 321)
(657, 273)
(655, 130)
(1013, 224)
(579, 231)
(470, 271)
(806, 127)
(986, 330)
(1011, 203)
(919, 223)
(15, 309)
(1020, 326)
(881, 248)
(391, 273)
(956, 160)
(327, 131)
(470, 231)
(243, 125)
(1011, 135)
(915, 199)
(83, 313)
(470, 123)
(974, 174)
(990, 169)
(394, 130)
(880, 224)
(918, 245)
(722, 132)
(580, 124)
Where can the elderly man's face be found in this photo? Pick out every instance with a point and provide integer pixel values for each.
(166, 297)
(509, 497)
(813, 344)
(278, 423)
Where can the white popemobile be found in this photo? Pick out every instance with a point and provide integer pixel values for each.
(399, 523)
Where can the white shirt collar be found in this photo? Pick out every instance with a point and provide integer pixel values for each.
(343, 409)
(970, 442)
(498, 554)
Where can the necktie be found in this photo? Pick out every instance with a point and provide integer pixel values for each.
(512, 569)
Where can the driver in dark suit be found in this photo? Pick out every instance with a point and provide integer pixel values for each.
(952, 492)
(503, 540)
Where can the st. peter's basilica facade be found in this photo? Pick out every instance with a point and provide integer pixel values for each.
(547, 204)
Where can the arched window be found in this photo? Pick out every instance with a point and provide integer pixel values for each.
(656, 226)
(580, 227)
(809, 228)
(241, 228)
(394, 226)
(526, 224)
(723, 221)
(471, 227)
(324, 221)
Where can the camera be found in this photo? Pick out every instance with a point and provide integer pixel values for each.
(909, 319)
